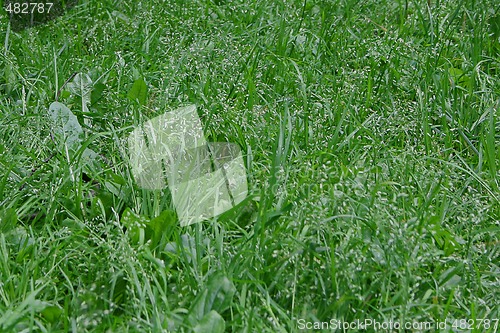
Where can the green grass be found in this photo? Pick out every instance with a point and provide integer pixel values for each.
(370, 131)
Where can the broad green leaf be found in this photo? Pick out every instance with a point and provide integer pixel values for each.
(64, 94)
(221, 292)
(212, 322)
(161, 228)
(66, 128)
(115, 184)
(68, 132)
(139, 91)
(217, 296)
(103, 199)
(185, 246)
(459, 77)
(141, 229)
(96, 93)
(89, 158)
(52, 313)
(81, 86)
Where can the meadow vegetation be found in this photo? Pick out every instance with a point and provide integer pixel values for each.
(370, 131)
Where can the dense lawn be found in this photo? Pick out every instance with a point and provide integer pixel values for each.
(370, 131)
